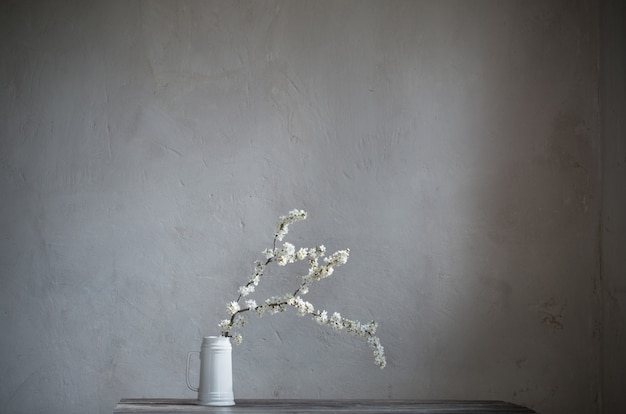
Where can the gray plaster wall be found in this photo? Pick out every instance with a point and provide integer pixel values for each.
(613, 121)
(148, 148)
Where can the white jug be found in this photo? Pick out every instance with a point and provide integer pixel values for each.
(216, 372)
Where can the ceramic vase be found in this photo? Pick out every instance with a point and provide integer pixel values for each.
(216, 372)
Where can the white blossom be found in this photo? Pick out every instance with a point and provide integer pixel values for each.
(371, 328)
(321, 318)
(233, 308)
(301, 305)
(319, 251)
(339, 257)
(326, 271)
(378, 351)
(287, 254)
(283, 256)
(260, 310)
(246, 290)
(285, 221)
(302, 254)
(335, 322)
(240, 321)
(224, 326)
(259, 268)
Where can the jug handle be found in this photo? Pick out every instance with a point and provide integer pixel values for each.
(188, 363)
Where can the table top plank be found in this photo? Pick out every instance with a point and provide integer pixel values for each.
(302, 406)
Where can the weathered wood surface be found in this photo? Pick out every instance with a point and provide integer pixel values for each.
(162, 405)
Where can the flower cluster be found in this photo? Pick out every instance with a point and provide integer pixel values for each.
(320, 267)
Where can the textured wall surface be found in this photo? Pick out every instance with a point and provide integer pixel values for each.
(147, 149)
(613, 121)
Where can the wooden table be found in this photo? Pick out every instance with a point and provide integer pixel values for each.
(162, 405)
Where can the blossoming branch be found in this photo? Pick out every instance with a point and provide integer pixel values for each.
(320, 267)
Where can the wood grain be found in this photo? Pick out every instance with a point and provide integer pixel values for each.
(181, 406)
